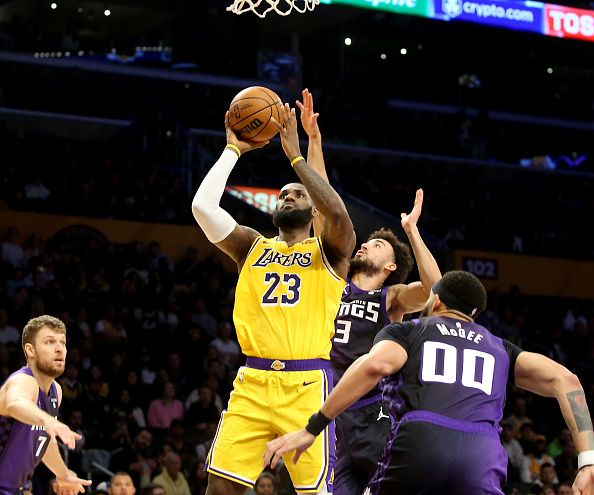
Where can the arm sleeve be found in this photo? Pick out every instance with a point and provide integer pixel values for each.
(513, 351)
(396, 332)
(216, 223)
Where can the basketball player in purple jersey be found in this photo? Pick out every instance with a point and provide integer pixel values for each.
(29, 401)
(374, 296)
(447, 391)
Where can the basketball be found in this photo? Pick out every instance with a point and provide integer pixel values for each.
(250, 113)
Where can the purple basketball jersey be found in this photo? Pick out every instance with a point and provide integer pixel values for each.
(22, 446)
(455, 368)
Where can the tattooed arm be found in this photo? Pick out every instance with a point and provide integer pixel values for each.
(545, 377)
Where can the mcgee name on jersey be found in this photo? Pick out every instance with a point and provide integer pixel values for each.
(269, 256)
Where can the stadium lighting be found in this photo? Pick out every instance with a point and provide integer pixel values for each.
(107, 12)
(403, 51)
(53, 5)
(383, 56)
(348, 41)
(550, 70)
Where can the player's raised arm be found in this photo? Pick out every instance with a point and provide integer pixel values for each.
(315, 154)
(221, 228)
(412, 297)
(543, 376)
(339, 237)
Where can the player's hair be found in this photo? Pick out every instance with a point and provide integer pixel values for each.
(402, 255)
(466, 287)
(35, 324)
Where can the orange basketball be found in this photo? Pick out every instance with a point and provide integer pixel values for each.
(250, 113)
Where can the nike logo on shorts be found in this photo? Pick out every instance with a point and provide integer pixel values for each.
(305, 384)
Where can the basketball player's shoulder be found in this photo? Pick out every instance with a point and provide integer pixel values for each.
(18, 385)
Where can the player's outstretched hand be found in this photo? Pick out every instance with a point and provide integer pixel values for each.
(299, 441)
(288, 132)
(244, 146)
(55, 429)
(409, 220)
(309, 119)
(70, 484)
(584, 482)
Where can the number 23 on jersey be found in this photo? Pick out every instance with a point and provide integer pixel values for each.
(283, 289)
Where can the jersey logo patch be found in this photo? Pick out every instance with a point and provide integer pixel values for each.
(382, 415)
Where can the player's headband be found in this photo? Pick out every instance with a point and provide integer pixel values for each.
(452, 301)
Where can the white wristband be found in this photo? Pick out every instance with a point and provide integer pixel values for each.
(585, 458)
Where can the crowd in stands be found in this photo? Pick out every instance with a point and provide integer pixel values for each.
(152, 357)
(466, 206)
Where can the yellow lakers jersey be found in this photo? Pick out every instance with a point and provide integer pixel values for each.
(286, 300)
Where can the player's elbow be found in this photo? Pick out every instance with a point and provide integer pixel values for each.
(200, 208)
(566, 381)
(377, 367)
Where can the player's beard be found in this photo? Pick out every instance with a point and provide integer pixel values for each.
(364, 266)
(292, 219)
(50, 367)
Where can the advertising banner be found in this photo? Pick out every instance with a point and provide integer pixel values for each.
(259, 197)
(420, 8)
(567, 22)
(520, 16)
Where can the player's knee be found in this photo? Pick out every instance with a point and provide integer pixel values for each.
(222, 486)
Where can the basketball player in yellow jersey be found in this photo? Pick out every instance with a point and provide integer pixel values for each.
(286, 300)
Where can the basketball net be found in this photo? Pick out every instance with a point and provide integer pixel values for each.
(263, 7)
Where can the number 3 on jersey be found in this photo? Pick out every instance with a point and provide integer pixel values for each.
(289, 296)
(343, 331)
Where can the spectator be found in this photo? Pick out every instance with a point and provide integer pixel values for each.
(229, 351)
(8, 333)
(162, 411)
(203, 448)
(518, 416)
(11, 249)
(564, 489)
(556, 446)
(515, 455)
(566, 463)
(202, 317)
(137, 459)
(72, 388)
(203, 411)
(153, 489)
(265, 484)
(121, 484)
(548, 476)
(171, 478)
(537, 458)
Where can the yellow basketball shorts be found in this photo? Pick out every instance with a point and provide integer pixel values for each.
(265, 404)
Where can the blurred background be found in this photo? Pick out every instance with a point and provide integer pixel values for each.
(111, 112)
